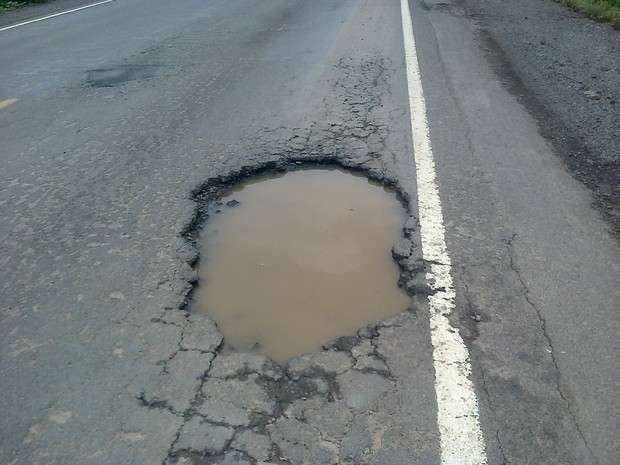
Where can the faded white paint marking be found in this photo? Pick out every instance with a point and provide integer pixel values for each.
(54, 15)
(457, 407)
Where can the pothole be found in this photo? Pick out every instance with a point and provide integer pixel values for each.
(292, 261)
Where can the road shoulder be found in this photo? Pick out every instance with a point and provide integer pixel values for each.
(564, 68)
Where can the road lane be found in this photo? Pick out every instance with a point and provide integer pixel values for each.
(101, 365)
(100, 156)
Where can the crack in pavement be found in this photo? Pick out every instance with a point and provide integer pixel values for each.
(309, 385)
(543, 325)
(247, 408)
(170, 355)
(489, 401)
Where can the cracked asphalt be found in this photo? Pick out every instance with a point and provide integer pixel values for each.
(131, 118)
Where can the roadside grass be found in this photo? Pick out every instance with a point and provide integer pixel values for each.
(602, 10)
(8, 5)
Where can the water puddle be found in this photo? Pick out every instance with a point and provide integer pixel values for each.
(293, 261)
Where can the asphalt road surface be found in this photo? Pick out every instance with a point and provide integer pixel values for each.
(114, 116)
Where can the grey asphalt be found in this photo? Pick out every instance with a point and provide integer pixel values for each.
(126, 109)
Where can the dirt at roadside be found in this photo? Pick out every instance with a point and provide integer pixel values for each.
(565, 68)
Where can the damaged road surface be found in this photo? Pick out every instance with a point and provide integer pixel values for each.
(121, 125)
(293, 261)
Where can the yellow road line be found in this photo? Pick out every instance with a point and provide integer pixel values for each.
(8, 102)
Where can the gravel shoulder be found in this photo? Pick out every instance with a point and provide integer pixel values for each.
(565, 68)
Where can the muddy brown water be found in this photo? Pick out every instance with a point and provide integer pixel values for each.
(302, 259)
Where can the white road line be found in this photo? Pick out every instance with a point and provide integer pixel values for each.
(457, 407)
(54, 15)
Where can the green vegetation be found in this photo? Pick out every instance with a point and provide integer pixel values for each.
(603, 10)
(8, 5)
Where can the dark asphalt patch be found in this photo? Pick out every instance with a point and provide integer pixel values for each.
(113, 77)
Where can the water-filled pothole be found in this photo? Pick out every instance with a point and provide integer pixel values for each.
(293, 261)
